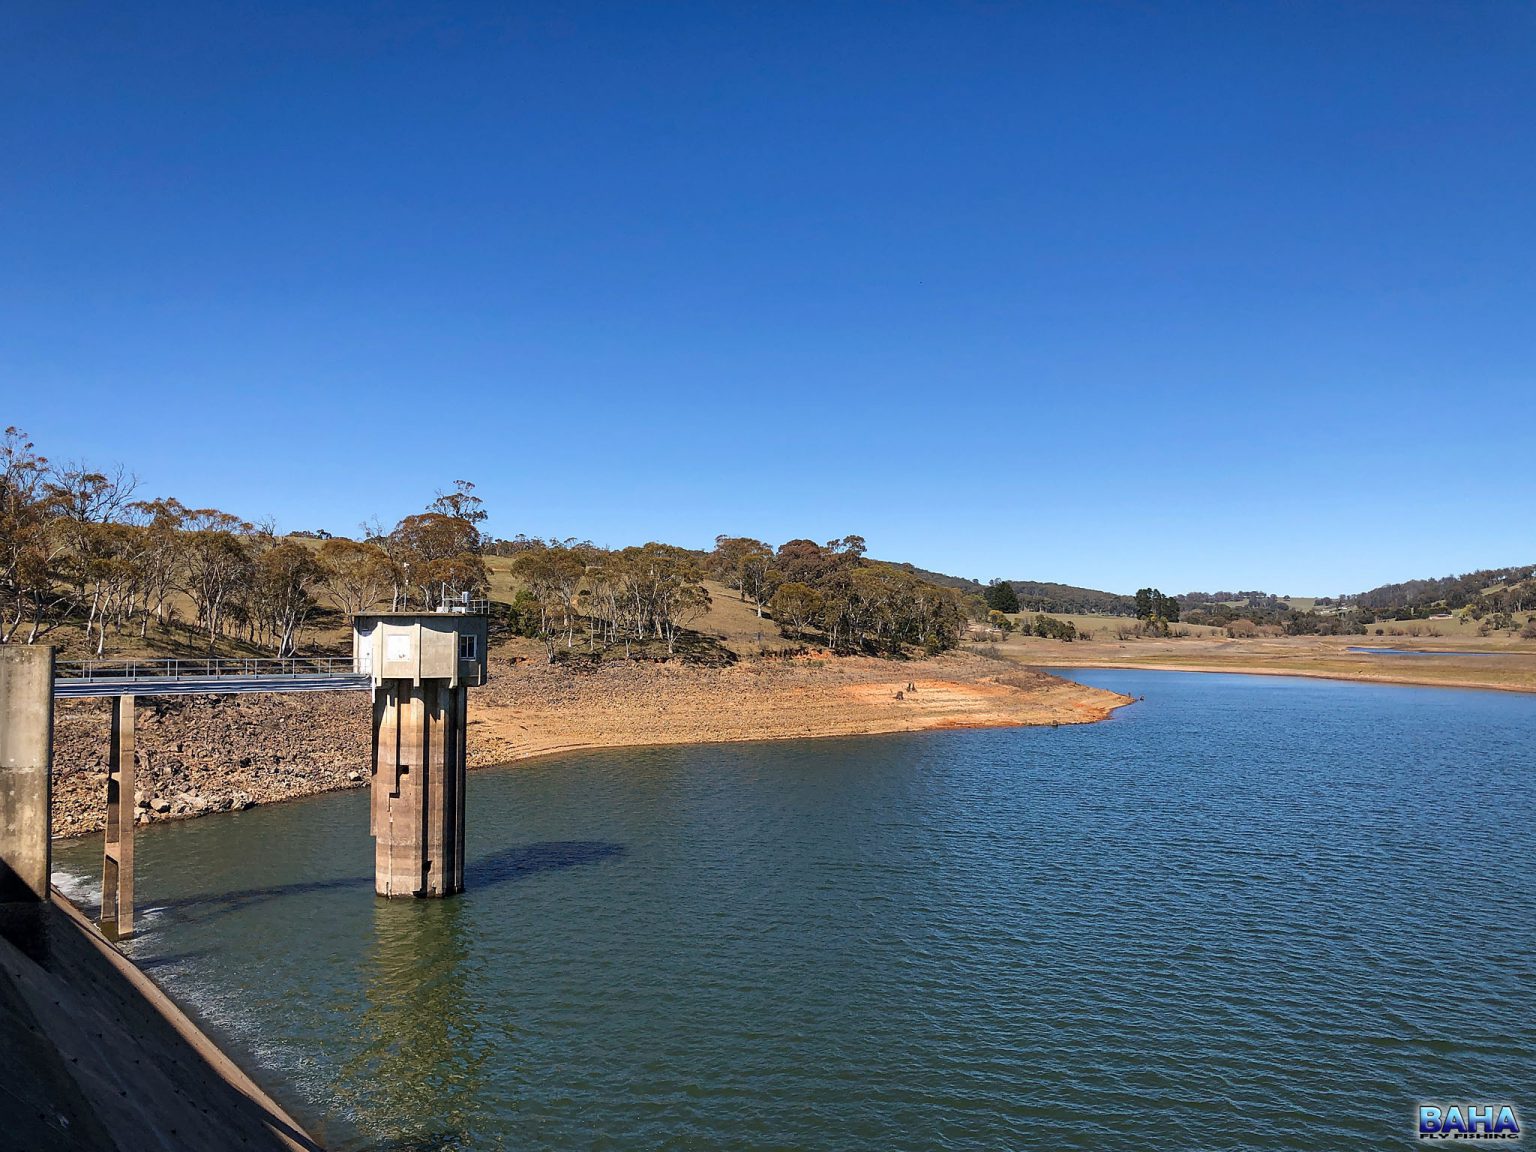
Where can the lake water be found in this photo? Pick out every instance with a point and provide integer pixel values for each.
(1422, 652)
(1246, 913)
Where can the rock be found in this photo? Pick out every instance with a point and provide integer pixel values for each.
(195, 753)
(354, 775)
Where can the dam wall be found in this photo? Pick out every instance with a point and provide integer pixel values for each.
(95, 1057)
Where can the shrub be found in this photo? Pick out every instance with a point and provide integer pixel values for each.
(1054, 629)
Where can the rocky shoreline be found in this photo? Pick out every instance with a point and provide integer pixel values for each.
(201, 754)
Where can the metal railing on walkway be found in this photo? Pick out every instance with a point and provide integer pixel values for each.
(181, 667)
(212, 675)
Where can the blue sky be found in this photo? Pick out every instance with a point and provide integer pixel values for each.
(1115, 294)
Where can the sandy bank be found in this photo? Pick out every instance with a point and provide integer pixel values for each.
(535, 711)
(1495, 673)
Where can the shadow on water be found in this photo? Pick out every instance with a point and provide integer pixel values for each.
(504, 867)
(172, 960)
(512, 864)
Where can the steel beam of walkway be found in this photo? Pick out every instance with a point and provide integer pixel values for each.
(75, 688)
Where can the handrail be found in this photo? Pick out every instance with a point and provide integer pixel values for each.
(465, 607)
(210, 667)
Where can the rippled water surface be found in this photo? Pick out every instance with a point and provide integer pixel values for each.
(1245, 913)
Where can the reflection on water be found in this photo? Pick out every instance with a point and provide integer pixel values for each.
(426, 1042)
(1247, 913)
(421, 1059)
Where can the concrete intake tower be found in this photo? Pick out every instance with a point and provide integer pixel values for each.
(422, 665)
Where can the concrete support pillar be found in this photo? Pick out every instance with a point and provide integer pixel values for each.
(117, 856)
(417, 805)
(26, 766)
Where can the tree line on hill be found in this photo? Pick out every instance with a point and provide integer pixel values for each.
(77, 546)
(1489, 589)
(1148, 603)
(1261, 601)
(829, 592)
(1038, 596)
(626, 596)
(1498, 598)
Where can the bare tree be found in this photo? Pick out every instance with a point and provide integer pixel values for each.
(356, 575)
(218, 562)
(280, 593)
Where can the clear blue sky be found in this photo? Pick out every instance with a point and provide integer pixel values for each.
(1210, 295)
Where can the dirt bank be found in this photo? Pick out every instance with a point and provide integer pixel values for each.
(1443, 665)
(211, 754)
(539, 710)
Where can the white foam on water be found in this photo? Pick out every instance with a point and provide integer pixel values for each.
(79, 889)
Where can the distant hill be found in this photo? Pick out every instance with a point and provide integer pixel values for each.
(942, 579)
(1044, 596)
(1267, 600)
(1511, 589)
(1444, 591)
(1037, 595)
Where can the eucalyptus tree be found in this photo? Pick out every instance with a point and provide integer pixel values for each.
(746, 566)
(280, 595)
(461, 504)
(162, 555)
(356, 575)
(438, 553)
(218, 563)
(795, 606)
(28, 549)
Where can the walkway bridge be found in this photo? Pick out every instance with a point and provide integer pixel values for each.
(415, 666)
(81, 679)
